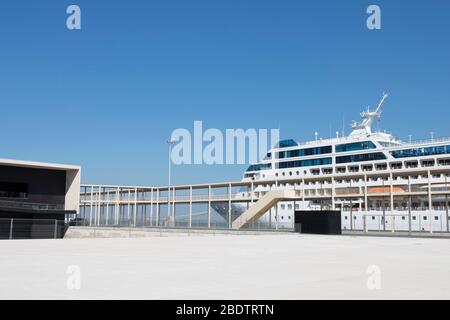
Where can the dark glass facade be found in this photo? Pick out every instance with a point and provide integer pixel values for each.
(13, 190)
(361, 157)
(304, 163)
(304, 152)
(259, 167)
(355, 146)
(286, 144)
(418, 152)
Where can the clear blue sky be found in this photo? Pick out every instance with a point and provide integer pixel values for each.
(107, 97)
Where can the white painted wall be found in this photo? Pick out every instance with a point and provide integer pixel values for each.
(72, 200)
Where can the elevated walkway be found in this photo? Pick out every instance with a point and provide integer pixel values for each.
(262, 206)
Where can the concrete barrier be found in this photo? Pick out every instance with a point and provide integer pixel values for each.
(125, 232)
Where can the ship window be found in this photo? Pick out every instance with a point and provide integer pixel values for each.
(305, 163)
(355, 146)
(361, 157)
(304, 152)
(382, 166)
(436, 218)
(340, 170)
(418, 152)
(286, 143)
(259, 167)
(414, 217)
(424, 217)
(396, 165)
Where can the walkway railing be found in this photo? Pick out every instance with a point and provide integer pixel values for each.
(31, 229)
(30, 205)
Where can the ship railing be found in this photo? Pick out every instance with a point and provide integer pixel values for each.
(224, 197)
(418, 142)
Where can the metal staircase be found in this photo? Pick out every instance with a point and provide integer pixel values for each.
(262, 206)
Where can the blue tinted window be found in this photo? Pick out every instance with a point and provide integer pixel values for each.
(304, 163)
(286, 143)
(355, 146)
(304, 152)
(258, 167)
(418, 152)
(361, 157)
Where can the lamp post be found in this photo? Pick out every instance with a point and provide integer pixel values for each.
(170, 142)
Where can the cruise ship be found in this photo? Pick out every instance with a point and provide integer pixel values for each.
(377, 181)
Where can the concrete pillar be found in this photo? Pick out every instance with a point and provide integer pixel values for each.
(135, 208)
(230, 218)
(209, 206)
(446, 206)
(351, 213)
(151, 207)
(430, 203)
(117, 206)
(391, 194)
(409, 206)
(333, 207)
(366, 204)
(276, 208)
(128, 207)
(144, 211)
(190, 207)
(157, 206)
(92, 205)
(303, 193)
(98, 214)
(173, 204)
(107, 208)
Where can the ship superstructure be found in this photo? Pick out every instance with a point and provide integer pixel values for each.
(335, 169)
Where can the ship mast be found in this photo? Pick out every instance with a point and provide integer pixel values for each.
(365, 127)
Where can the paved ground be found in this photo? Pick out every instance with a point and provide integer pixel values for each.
(227, 267)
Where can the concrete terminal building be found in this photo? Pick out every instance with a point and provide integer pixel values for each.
(35, 198)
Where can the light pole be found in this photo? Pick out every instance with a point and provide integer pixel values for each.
(170, 142)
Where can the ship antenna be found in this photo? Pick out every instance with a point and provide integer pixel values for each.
(378, 109)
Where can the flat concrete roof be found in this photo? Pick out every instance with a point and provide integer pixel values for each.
(38, 165)
(290, 266)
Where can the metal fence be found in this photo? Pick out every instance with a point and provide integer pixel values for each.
(32, 229)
